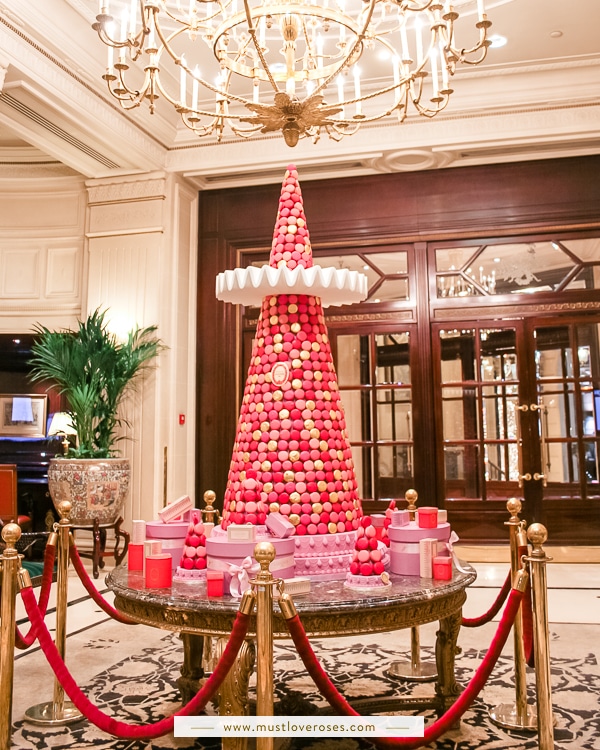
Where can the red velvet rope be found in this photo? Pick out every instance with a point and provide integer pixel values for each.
(93, 591)
(527, 617)
(445, 722)
(475, 622)
(120, 728)
(24, 641)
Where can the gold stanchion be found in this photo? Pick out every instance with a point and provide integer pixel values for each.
(517, 715)
(9, 565)
(58, 712)
(210, 514)
(537, 560)
(264, 552)
(414, 670)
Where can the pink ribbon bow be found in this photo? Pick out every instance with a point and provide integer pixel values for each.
(449, 546)
(240, 578)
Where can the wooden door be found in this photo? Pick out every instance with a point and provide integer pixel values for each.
(516, 407)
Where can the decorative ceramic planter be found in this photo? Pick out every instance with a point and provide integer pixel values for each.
(96, 488)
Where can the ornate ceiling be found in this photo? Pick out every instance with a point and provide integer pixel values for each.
(536, 97)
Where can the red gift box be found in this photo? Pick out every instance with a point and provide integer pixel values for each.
(159, 574)
(442, 568)
(427, 518)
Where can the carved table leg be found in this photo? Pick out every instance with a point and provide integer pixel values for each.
(233, 695)
(446, 687)
(191, 670)
(120, 534)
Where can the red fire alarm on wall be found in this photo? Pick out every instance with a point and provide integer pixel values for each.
(182, 419)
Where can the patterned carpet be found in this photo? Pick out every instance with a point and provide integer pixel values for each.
(142, 688)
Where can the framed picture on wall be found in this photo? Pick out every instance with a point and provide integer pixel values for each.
(23, 415)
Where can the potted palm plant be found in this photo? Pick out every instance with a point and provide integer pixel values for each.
(94, 371)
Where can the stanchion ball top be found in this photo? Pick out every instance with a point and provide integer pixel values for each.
(64, 508)
(264, 553)
(11, 533)
(411, 496)
(537, 534)
(209, 497)
(513, 506)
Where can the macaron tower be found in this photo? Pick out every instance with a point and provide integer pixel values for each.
(193, 560)
(367, 569)
(291, 453)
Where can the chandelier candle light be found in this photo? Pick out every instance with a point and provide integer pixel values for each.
(288, 65)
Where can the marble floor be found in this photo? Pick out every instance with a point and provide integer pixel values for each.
(573, 599)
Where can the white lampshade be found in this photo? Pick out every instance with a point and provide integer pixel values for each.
(61, 424)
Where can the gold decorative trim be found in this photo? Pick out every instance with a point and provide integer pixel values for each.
(461, 313)
(395, 616)
(404, 315)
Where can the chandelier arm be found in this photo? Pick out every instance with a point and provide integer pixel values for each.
(128, 98)
(480, 59)
(483, 43)
(359, 40)
(258, 48)
(406, 6)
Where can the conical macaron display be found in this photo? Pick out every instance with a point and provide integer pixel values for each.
(291, 453)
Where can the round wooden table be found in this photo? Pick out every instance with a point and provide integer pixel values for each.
(329, 610)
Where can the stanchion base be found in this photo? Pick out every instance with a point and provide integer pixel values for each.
(43, 713)
(405, 670)
(505, 716)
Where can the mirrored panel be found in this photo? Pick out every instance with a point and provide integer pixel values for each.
(392, 363)
(458, 355)
(394, 414)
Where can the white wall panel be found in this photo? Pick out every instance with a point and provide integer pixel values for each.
(63, 273)
(20, 273)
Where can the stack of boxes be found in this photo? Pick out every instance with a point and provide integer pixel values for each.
(419, 547)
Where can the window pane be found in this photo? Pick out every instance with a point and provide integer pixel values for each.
(559, 413)
(458, 355)
(500, 413)
(591, 463)
(461, 466)
(351, 262)
(357, 408)
(454, 258)
(390, 289)
(459, 414)
(363, 469)
(395, 461)
(392, 363)
(394, 415)
(516, 268)
(390, 264)
(352, 360)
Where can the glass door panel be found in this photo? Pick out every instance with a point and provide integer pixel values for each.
(479, 415)
(518, 408)
(374, 376)
(568, 377)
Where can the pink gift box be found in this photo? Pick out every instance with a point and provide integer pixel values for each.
(160, 530)
(405, 563)
(279, 525)
(427, 517)
(400, 518)
(442, 568)
(413, 534)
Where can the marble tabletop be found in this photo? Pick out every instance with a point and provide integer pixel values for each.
(419, 598)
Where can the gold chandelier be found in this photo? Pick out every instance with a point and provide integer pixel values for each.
(301, 67)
